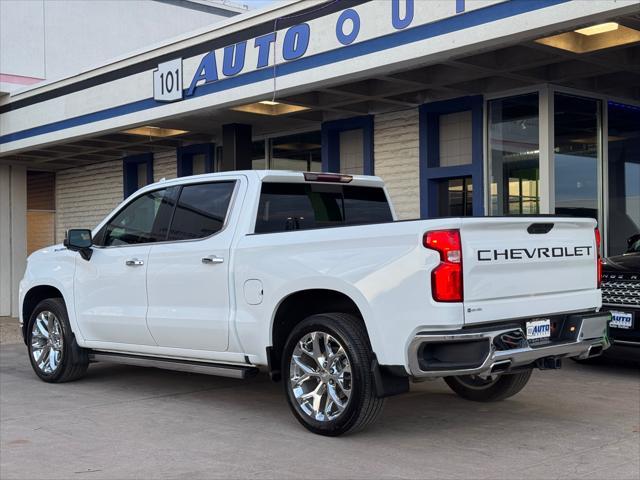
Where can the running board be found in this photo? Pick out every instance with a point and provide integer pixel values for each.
(221, 370)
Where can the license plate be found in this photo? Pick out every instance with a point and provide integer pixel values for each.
(621, 320)
(539, 329)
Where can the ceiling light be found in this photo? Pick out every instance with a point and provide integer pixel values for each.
(269, 108)
(597, 29)
(594, 38)
(150, 131)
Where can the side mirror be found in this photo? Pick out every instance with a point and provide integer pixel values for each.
(79, 240)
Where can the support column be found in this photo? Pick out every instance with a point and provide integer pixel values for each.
(236, 147)
(13, 235)
(5, 240)
(546, 114)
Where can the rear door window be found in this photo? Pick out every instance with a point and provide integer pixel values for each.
(201, 210)
(298, 206)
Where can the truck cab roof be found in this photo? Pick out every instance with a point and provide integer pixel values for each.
(289, 176)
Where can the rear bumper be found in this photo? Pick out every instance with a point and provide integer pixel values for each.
(504, 348)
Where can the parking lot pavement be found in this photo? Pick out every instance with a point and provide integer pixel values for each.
(9, 330)
(131, 422)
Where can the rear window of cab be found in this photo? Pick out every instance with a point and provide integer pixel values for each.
(301, 206)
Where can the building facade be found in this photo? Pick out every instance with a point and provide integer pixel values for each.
(50, 39)
(463, 107)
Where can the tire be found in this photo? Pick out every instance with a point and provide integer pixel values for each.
(490, 390)
(340, 392)
(64, 360)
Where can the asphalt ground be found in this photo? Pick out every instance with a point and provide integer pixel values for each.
(130, 422)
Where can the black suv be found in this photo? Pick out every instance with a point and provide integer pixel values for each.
(621, 296)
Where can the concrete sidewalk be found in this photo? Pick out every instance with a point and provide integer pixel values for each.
(9, 331)
(129, 422)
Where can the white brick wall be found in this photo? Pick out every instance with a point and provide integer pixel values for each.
(85, 195)
(397, 160)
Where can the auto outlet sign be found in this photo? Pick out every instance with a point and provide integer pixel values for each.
(374, 21)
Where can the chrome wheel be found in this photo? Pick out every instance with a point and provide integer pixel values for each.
(320, 376)
(47, 342)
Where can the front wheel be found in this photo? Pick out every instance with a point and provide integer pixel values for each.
(55, 356)
(327, 375)
(489, 389)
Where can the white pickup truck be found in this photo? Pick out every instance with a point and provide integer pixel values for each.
(309, 276)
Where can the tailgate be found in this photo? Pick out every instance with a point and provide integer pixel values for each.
(528, 266)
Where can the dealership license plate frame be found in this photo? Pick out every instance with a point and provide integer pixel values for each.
(535, 333)
(617, 315)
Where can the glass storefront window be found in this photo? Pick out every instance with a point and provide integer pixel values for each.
(577, 147)
(199, 164)
(514, 155)
(258, 158)
(455, 197)
(300, 152)
(623, 175)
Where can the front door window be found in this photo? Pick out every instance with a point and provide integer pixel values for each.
(145, 220)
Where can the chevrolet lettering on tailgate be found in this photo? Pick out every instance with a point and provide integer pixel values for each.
(539, 252)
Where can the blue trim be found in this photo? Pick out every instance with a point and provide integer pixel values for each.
(330, 137)
(410, 35)
(185, 156)
(130, 172)
(431, 173)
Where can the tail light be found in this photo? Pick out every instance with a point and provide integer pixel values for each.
(598, 257)
(446, 278)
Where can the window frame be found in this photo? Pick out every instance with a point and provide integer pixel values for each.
(130, 172)
(430, 171)
(180, 186)
(184, 158)
(330, 141)
(226, 217)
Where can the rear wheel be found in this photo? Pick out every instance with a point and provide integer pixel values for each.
(54, 354)
(489, 389)
(328, 382)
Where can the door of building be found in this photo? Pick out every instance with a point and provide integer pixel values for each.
(41, 210)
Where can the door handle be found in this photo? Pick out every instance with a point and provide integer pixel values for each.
(212, 259)
(134, 262)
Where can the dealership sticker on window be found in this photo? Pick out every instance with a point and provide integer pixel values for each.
(167, 81)
(621, 320)
(539, 329)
